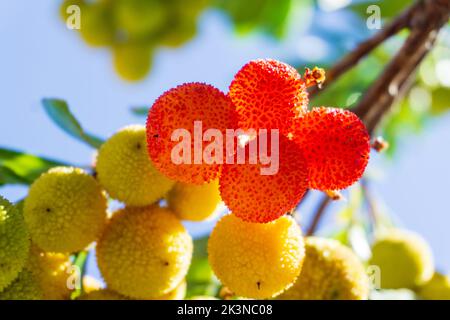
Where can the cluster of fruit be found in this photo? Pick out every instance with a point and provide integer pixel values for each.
(143, 250)
(257, 251)
(134, 29)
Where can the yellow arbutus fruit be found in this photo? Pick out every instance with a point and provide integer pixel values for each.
(65, 210)
(331, 271)
(256, 260)
(145, 252)
(125, 170)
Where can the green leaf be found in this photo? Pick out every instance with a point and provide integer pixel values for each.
(269, 16)
(200, 278)
(140, 111)
(59, 112)
(22, 168)
(80, 261)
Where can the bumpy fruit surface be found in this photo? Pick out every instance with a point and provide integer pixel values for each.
(65, 210)
(132, 61)
(14, 242)
(255, 197)
(331, 271)
(51, 271)
(126, 172)
(438, 288)
(256, 260)
(336, 146)
(268, 94)
(175, 113)
(404, 258)
(144, 252)
(102, 294)
(194, 202)
(24, 287)
(176, 294)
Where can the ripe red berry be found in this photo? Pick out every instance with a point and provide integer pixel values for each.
(268, 94)
(254, 197)
(336, 146)
(179, 108)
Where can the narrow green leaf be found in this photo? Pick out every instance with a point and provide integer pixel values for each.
(140, 111)
(59, 112)
(22, 168)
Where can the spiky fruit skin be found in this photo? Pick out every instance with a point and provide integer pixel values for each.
(255, 197)
(177, 109)
(144, 252)
(194, 202)
(125, 170)
(256, 260)
(404, 258)
(24, 287)
(65, 210)
(336, 146)
(268, 94)
(14, 242)
(331, 271)
(438, 288)
(102, 294)
(51, 271)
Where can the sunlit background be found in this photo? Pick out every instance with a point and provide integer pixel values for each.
(40, 57)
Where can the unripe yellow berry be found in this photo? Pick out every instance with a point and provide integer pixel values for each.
(438, 288)
(102, 294)
(404, 258)
(51, 271)
(194, 202)
(176, 294)
(24, 287)
(132, 61)
(256, 260)
(125, 170)
(65, 210)
(96, 27)
(331, 271)
(14, 242)
(144, 252)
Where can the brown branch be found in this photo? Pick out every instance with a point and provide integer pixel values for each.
(318, 215)
(424, 19)
(364, 48)
(425, 25)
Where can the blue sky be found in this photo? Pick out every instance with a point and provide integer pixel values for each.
(41, 58)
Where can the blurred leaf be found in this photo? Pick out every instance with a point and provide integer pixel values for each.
(200, 278)
(270, 16)
(80, 261)
(22, 168)
(59, 112)
(388, 8)
(140, 111)
(348, 89)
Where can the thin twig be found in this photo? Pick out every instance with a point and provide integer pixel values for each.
(364, 48)
(425, 18)
(318, 215)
